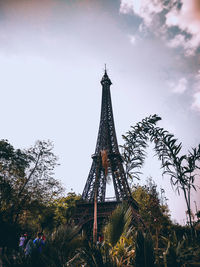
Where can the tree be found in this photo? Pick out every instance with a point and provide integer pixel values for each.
(153, 210)
(64, 208)
(59, 248)
(182, 169)
(198, 215)
(26, 180)
(12, 169)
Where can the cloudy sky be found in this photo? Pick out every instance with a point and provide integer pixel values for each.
(52, 55)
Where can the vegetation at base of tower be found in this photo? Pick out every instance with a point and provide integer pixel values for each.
(32, 200)
(183, 169)
(119, 224)
(153, 210)
(144, 252)
(27, 186)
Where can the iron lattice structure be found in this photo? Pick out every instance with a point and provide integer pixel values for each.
(107, 160)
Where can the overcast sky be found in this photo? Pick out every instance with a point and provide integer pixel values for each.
(52, 55)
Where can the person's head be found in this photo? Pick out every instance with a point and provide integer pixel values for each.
(39, 235)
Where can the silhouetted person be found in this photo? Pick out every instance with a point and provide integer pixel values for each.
(38, 242)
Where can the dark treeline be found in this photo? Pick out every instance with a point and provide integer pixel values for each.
(32, 200)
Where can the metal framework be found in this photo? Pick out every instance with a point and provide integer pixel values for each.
(107, 161)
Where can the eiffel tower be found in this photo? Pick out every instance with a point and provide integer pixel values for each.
(107, 162)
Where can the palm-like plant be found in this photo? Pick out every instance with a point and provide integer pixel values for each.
(180, 252)
(134, 148)
(123, 252)
(122, 244)
(117, 248)
(92, 255)
(118, 224)
(182, 169)
(144, 252)
(118, 235)
(61, 245)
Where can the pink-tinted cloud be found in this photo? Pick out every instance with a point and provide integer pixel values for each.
(159, 18)
(188, 20)
(179, 87)
(146, 9)
(178, 40)
(196, 102)
(196, 96)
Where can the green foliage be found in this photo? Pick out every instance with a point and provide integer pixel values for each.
(27, 185)
(61, 245)
(144, 253)
(40, 174)
(131, 247)
(123, 252)
(118, 236)
(30, 200)
(92, 255)
(181, 251)
(154, 213)
(182, 169)
(133, 150)
(48, 217)
(12, 161)
(64, 208)
(198, 214)
(118, 224)
(58, 249)
(117, 248)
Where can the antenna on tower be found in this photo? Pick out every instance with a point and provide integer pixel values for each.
(105, 69)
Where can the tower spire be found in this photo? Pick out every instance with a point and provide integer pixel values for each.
(105, 79)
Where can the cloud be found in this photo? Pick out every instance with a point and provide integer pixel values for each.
(180, 87)
(161, 17)
(178, 40)
(132, 39)
(176, 23)
(196, 96)
(146, 9)
(187, 19)
(126, 6)
(196, 102)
